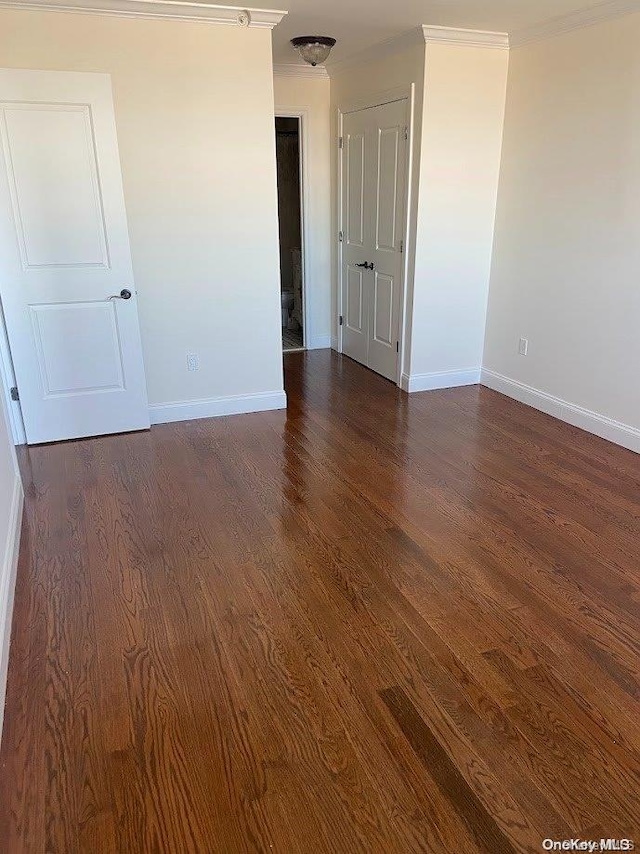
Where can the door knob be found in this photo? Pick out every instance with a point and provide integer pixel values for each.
(125, 293)
(367, 265)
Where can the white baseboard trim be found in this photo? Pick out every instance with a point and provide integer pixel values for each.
(335, 345)
(8, 572)
(438, 380)
(578, 416)
(237, 404)
(320, 342)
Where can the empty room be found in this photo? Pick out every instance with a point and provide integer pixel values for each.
(319, 427)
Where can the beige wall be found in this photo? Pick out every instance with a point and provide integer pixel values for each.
(464, 102)
(313, 96)
(194, 112)
(566, 266)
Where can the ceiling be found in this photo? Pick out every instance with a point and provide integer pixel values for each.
(359, 24)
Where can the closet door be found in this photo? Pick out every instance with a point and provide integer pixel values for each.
(374, 166)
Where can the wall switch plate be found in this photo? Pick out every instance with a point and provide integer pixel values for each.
(523, 347)
(192, 362)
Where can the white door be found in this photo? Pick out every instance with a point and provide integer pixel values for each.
(66, 278)
(374, 163)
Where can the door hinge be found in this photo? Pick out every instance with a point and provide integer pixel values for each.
(397, 346)
(341, 320)
(406, 134)
(14, 393)
(341, 236)
(341, 142)
(401, 246)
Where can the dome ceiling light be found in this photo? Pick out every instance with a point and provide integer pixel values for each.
(313, 49)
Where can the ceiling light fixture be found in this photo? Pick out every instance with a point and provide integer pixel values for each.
(313, 49)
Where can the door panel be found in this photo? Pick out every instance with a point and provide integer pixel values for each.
(78, 348)
(65, 258)
(383, 302)
(355, 189)
(354, 300)
(373, 202)
(387, 189)
(355, 329)
(50, 156)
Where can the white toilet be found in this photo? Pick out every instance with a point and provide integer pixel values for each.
(286, 302)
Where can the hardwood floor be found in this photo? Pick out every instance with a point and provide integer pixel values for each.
(376, 623)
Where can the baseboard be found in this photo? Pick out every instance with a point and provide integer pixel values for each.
(335, 345)
(238, 404)
(8, 572)
(442, 379)
(578, 416)
(319, 342)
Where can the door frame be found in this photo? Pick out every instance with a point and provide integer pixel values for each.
(8, 378)
(378, 99)
(302, 114)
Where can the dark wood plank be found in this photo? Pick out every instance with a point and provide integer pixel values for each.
(450, 781)
(372, 623)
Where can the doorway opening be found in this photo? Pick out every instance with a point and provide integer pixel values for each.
(290, 189)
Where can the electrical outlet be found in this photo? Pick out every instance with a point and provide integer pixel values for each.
(192, 362)
(523, 347)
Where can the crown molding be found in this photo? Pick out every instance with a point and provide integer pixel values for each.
(574, 21)
(377, 51)
(173, 9)
(420, 35)
(468, 38)
(296, 70)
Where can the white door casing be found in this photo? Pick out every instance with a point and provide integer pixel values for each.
(65, 258)
(373, 199)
